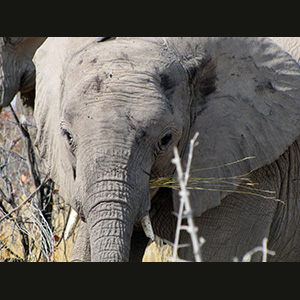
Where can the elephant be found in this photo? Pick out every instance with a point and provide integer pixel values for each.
(109, 112)
(18, 71)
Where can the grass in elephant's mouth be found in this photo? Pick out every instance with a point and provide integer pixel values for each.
(210, 184)
(239, 184)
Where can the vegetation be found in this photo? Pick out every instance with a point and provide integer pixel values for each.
(32, 213)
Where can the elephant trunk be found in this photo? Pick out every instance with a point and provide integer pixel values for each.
(110, 226)
(115, 192)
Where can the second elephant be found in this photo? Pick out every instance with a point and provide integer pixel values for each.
(110, 111)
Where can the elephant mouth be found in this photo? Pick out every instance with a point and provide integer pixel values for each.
(142, 227)
(74, 219)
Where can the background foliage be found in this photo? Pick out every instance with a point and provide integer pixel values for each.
(32, 213)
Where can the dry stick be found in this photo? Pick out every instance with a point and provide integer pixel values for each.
(64, 229)
(35, 173)
(9, 250)
(30, 158)
(11, 200)
(25, 201)
(264, 249)
(184, 203)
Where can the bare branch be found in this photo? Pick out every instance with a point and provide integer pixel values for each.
(185, 209)
(264, 249)
(27, 200)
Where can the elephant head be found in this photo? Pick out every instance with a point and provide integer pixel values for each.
(110, 112)
(17, 71)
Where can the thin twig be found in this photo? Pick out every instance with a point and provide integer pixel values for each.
(31, 159)
(25, 201)
(4, 246)
(185, 206)
(64, 229)
(264, 249)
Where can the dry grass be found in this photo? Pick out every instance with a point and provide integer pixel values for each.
(226, 184)
(158, 251)
(11, 247)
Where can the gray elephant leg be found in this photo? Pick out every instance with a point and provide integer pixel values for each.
(82, 251)
(138, 245)
(163, 223)
(162, 217)
(237, 226)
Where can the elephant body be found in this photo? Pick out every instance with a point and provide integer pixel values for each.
(110, 111)
(252, 218)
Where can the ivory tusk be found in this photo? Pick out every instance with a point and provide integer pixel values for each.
(146, 224)
(72, 222)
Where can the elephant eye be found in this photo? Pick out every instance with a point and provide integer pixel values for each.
(69, 138)
(165, 141)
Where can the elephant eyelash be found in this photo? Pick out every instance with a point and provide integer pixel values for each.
(70, 139)
(164, 142)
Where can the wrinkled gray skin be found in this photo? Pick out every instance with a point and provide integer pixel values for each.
(109, 113)
(17, 71)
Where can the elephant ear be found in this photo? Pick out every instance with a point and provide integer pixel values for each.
(17, 71)
(50, 61)
(246, 108)
(49, 69)
(290, 45)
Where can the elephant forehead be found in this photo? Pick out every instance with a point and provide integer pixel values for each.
(125, 81)
(128, 74)
(117, 107)
(119, 87)
(121, 51)
(119, 57)
(131, 51)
